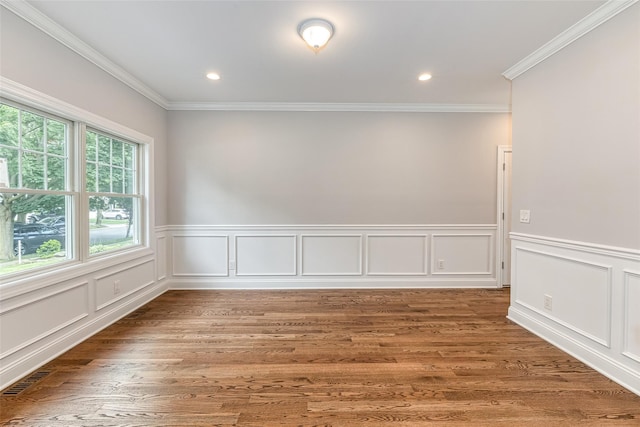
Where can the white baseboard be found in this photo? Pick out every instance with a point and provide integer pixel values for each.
(608, 367)
(344, 283)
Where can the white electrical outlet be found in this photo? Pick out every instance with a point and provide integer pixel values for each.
(116, 286)
(232, 265)
(440, 264)
(525, 216)
(548, 302)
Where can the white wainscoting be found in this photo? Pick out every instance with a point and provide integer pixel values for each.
(583, 298)
(42, 316)
(331, 256)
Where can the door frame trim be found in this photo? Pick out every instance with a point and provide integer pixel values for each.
(500, 249)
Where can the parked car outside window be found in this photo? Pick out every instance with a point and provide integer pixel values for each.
(33, 235)
(57, 222)
(115, 214)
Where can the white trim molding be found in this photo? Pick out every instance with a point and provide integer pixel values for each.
(323, 227)
(573, 33)
(339, 107)
(578, 296)
(342, 282)
(613, 251)
(45, 24)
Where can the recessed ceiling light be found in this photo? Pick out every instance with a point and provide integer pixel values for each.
(424, 77)
(213, 76)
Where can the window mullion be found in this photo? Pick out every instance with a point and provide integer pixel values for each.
(81, 205)
(96, 180)
(123, 168)
(19, 148)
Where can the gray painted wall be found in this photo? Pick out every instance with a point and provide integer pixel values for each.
(576, 139)
(34, 59)
(333, 167)
(282, 168)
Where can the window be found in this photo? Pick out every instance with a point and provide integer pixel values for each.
(53, 186)
(114, 199)
(34, 188)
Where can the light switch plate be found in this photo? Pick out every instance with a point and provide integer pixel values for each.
(525, 216)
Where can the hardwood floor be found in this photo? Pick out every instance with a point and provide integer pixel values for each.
(320, 358)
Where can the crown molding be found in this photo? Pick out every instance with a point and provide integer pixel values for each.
(39, 20)
(339, 107)
(573, 33)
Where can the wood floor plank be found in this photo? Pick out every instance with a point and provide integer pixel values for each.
(320, 358)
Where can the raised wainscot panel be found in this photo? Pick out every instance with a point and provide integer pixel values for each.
(161, 258)
(396, 255)
(462, 254)
(201, 255)
(331, 255)
(266, 255)
(114, 286)
(30, 321)
(577, 292)
(632, 315)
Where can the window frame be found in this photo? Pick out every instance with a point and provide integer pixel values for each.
(137, 209)
(71, 191)
(77, 242)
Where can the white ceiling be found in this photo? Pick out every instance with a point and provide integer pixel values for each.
(375, 56)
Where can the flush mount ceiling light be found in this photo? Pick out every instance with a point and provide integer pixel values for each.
(424, 77)
(213, 76)
(316, 33)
